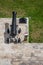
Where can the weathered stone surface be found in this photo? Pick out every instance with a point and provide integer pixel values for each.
(19, 54)
(5, 62)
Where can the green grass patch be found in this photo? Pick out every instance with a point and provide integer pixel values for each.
(26, 8)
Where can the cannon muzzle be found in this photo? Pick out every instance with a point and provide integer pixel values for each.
(14, 26)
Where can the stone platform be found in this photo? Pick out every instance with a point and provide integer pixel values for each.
(23, 27)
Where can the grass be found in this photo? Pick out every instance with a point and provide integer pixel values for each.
(36, 31)
(26, 8)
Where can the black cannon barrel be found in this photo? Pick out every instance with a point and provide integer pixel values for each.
(13, 26)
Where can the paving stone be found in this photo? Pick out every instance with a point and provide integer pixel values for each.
(22, 63)
(5, 62)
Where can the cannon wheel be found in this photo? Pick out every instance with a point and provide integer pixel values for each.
(19, 40)
(7, 40)
(6, 35)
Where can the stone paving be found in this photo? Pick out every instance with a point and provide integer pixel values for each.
(21, 53)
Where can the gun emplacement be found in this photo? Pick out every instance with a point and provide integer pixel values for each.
(17, 31)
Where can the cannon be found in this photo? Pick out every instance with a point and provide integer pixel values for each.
(14, 26)
(17, 30)
(11, 32)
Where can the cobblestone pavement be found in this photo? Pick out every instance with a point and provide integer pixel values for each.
(21, 54)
